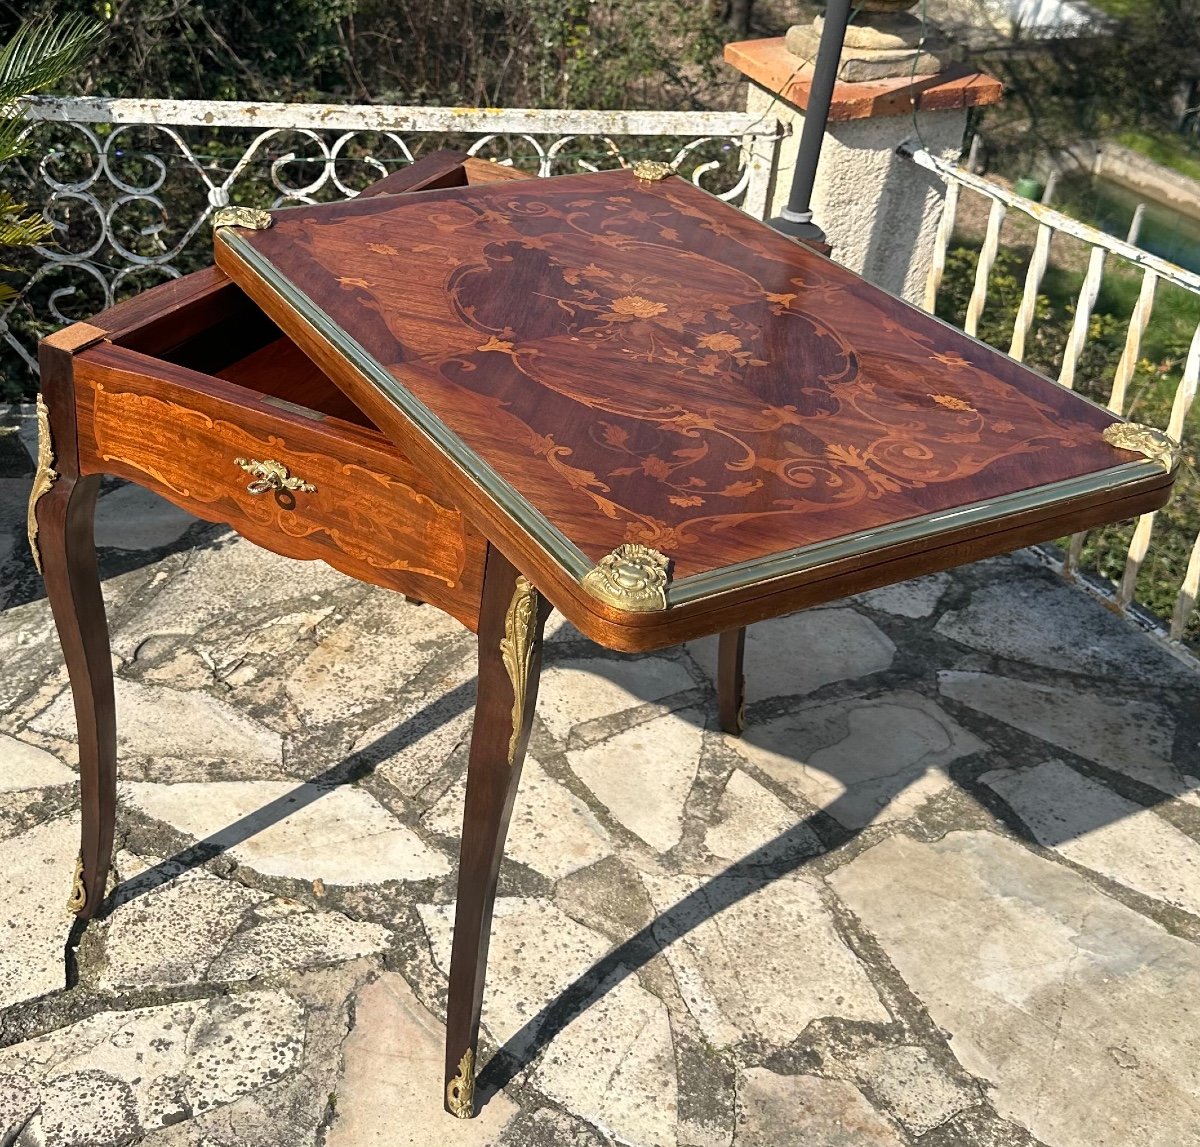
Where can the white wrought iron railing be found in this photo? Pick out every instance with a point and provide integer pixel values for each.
(1153, 271)
(129, 184)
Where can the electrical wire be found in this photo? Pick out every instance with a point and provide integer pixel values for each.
(912, 77)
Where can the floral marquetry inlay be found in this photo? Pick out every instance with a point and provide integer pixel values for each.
(645, 365)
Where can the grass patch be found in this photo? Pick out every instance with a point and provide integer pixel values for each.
(1118, 8)
(1166, 148)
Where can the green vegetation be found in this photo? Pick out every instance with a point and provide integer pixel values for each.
(1142, 77)
(1169, 149)
(1118, 8)
(38, 56)
(485, 53)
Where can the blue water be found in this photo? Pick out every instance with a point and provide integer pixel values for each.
(1164, 232)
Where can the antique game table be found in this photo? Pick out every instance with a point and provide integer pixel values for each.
(608, 393)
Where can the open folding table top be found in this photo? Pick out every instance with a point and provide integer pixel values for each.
(599, 364)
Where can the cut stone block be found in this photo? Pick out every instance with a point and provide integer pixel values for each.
(572, 692)
(915, 1090)
(1078, 1011)
(298, 940)
(24, 766)
(338, 835)
(155, 722)
(1130, 737)
(749, 817)
(863, 761)
(367, 657)
(800, 653)
(758, 959)
(644, 775)
(233, 579)
(171, 934)
(29, 653)
(390, 1091)
(117, 1076)
(916, 598)
(1044, 623)
(552, 830)
(35, 881)
(410, 746)
(803, 1109)
(1093, 826)
(536, 951)
(14, 494)
(134, 518)
(614, 1064)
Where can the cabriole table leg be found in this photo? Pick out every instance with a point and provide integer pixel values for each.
(511, 621)
(65, 543)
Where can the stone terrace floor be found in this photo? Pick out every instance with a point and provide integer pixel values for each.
(945, 891)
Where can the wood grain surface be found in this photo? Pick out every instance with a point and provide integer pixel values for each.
(644, 363)
(179, 433)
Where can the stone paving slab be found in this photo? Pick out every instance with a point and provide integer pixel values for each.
(945, 892)
(338, 835)
(1101, 830)
(151, 1067)
(1079, 1013)
(863, 760)
(390, 1090)
(33, 895)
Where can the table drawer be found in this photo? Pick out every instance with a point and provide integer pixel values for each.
(229, 446)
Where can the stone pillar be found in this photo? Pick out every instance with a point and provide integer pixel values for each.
(879, 211)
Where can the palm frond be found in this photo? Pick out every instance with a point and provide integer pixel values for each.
(18, 226)
(41, 54)
(11, 130)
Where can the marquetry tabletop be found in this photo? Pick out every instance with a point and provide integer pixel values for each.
(603, 360)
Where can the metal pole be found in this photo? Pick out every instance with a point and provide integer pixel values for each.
(796, 218)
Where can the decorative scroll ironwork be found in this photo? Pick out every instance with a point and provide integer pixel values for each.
(1123, 256)
(130, 186)
(460, 1091)
(42, 480)
(516, 650)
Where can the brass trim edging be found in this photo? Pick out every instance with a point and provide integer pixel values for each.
(764, 570)
(632, 577)
(1156, 445)
(460, 1091)
(516, 649)
(45, 477)
(558, 548)
(553, 542)
(252, 218)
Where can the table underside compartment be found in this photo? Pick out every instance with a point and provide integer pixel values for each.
(224, 416)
